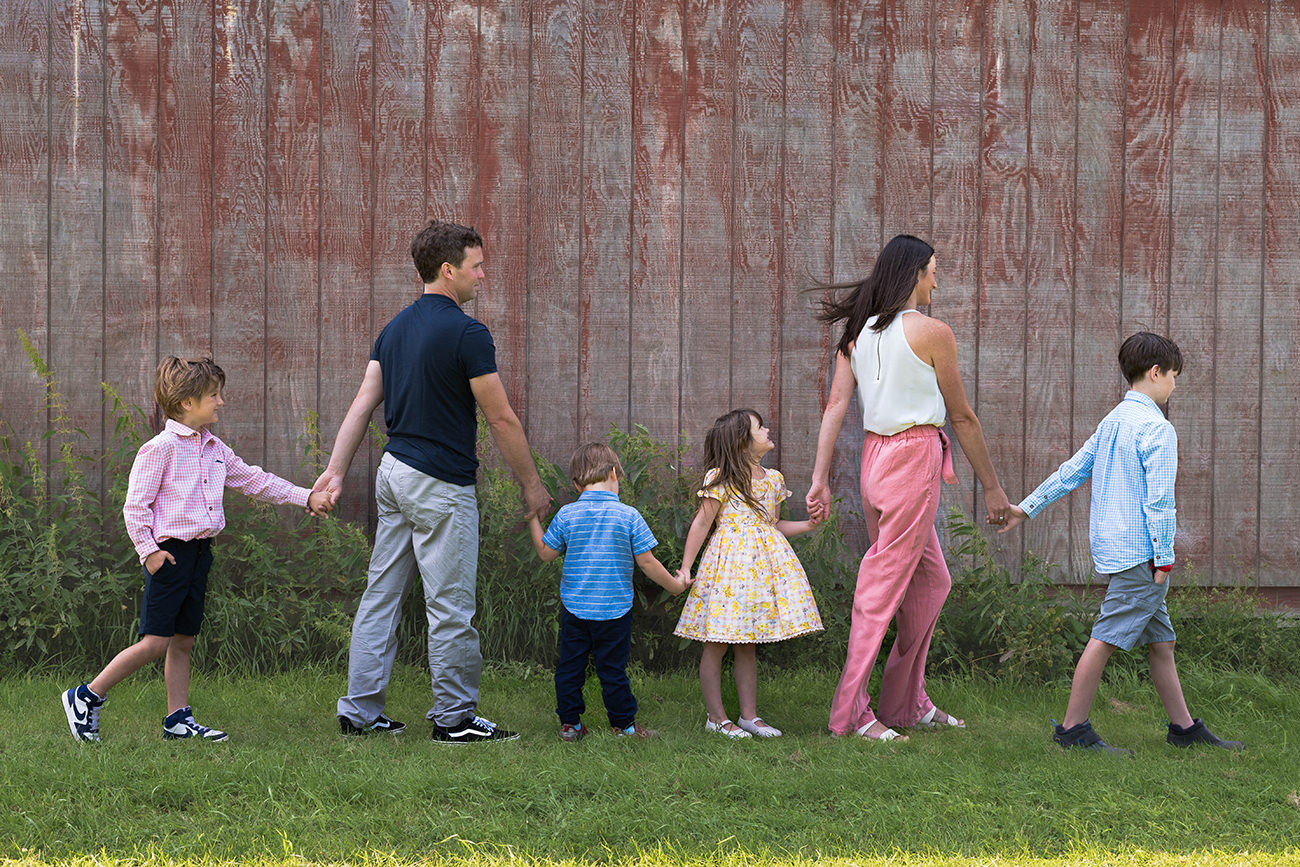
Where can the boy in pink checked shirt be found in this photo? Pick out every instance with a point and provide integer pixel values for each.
(173, 510)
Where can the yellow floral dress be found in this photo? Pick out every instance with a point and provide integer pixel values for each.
(750, 587)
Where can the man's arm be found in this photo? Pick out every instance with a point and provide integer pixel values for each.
(509, 436)
(369, 396)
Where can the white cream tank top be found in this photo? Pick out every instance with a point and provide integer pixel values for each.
(896, 389)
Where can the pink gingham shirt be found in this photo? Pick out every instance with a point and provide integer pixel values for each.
(177, 483)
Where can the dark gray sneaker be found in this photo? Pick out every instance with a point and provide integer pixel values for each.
(1198, 733)
(1083, 737)
(473, 730)
(381, 724)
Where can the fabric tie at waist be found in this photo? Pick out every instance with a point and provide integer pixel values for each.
(949, 475)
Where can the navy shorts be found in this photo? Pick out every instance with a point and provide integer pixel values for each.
(173, 596)
(1133, 611)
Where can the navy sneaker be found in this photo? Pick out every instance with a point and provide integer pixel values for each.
(1198, 733)
(1083, 737)
(82, 709)
(381, 724)
(473, 730)
(181, 724)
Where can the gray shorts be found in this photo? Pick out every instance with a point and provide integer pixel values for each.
(1133, 611)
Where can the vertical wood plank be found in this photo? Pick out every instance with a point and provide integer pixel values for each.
(1238, 310)
(707, 218)
(1003, 274)
(504, 162)
(755, 295)
(1099, 215)
(293, 230)
(805, 235)
(239, 221)
(185, 56)
(555, 221)
(1050, 380)
(75, 340)
(604, 335)
(347, 204)
(1191, 152)
(957, 128)
(857, 196)
(655, 294)
(1279, 458)
(25, 155)
(907, 131)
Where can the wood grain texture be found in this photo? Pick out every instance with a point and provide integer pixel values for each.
(806, 207)
(1279, 457)
(1099, 214)
(1239, 299)
(908, 130)
(75, 338)
(240, 221)
(184, 314)
(656, 283)
(709, 50)
(1049, 382)
(604, 335)
(293, 256)
(555, 222)
(347, 206)
(24, 211)
(1193, 233)
(1003, 270)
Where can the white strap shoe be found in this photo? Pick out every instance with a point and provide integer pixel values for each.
(930, 720)
(885, 737)
(735, 733)
(758, 728)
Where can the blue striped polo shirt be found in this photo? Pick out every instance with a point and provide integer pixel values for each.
(599, 537)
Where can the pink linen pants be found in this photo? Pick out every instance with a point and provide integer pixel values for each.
(903, 575)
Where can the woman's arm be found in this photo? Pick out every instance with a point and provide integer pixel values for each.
(837, 403)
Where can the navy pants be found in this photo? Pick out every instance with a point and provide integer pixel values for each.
(609, 643)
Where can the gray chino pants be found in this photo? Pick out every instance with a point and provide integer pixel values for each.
(430, 527)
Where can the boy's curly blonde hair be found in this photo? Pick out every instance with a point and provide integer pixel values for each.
(180, 379)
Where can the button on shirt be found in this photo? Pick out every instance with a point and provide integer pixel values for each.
(599, 537)
(1132, 459)
(177, 483)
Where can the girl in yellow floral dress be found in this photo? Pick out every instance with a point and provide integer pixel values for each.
(750, 588)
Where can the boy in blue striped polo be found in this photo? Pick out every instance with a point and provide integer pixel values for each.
(1132, 459)
(599, 538)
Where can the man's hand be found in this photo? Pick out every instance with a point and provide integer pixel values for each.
(154, 561)
(538, 500)
(330, 484)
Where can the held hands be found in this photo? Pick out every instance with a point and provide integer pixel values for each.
(538, 500)
(683, 576)
(998, 506)
(818, 501)
(330, 484)
(154, 561)
(319, 503)
(1015, 517)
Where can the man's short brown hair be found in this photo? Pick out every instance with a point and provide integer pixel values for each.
(180, 379)
(592, 463)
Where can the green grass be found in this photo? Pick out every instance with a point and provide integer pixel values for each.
(288, 789)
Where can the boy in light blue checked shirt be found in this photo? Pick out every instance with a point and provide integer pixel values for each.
(600, 538)
(1132, 460)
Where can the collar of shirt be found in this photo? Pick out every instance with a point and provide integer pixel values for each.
(1144, 399)
(598, 495)
(184, 432)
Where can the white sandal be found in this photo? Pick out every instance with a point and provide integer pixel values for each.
(884, 737)
(721, 728)
(758, 727)
(928, 721)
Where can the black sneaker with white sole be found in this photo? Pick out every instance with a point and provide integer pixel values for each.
(381, 724)
(180, 725)
(473, 730)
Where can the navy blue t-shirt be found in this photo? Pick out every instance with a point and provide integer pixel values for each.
(428, 353)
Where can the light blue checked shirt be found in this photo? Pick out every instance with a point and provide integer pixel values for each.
(1133, 461)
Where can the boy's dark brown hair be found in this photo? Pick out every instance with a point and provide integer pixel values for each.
(180, 379)
(592, 463)
(1144, 350)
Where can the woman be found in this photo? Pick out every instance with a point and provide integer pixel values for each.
(903, 365)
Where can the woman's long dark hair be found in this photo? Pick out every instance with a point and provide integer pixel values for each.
(884, 293)
(726, 448)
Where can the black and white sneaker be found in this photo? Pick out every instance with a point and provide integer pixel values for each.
(381, 724)
(473, 730)
(82, 709)
(180, 724)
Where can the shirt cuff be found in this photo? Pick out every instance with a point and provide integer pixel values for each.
(298, 496)
(145, 548)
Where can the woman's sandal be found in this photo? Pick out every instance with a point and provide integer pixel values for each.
(930, 720)
(735, 732)
(884, 737)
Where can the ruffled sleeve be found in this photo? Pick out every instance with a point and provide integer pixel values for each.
(710, 490)
(778, 484)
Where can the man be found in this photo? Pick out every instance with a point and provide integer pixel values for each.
(431, 365)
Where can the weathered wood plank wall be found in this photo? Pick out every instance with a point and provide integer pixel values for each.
(658, 181)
